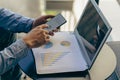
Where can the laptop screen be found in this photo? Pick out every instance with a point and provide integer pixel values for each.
(94, 29)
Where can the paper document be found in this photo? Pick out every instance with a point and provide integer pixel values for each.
(61, 54)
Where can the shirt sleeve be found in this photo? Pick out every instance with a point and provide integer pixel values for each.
(14, 22)
(10, 56)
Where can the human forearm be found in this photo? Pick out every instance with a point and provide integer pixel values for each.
(10, 56)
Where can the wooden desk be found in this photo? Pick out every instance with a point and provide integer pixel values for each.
(102, 68)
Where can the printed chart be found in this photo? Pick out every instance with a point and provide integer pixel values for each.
(65, 43)
(49, 59)
(47, 45)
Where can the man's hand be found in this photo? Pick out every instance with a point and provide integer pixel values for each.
(37, 36)
(41, 20)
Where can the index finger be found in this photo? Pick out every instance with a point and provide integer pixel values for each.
(49, 16)
(43, 26)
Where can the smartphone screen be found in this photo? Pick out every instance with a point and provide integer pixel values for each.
(55, 22)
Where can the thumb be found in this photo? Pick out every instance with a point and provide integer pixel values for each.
(43, 26)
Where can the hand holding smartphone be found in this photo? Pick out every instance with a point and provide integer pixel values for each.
(55, 22)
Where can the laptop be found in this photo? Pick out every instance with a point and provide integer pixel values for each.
(71, 54)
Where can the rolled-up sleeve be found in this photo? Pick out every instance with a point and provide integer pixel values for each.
(14, 22)
(10, 56)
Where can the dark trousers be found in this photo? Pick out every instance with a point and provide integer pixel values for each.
(13, 74)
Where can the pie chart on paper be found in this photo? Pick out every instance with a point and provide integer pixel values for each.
(48, 45)
(65, 43)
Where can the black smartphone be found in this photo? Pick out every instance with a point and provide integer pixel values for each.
(56, 22)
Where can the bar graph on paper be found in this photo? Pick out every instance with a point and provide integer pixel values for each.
(49, 59)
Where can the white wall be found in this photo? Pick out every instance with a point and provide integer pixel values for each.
(111, 10)
(28, 8)
(78, 7)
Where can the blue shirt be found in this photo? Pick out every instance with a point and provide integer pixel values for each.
(14, 22)
(10, 56)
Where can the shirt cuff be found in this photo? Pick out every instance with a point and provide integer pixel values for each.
(19, 49)
(29, 25)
